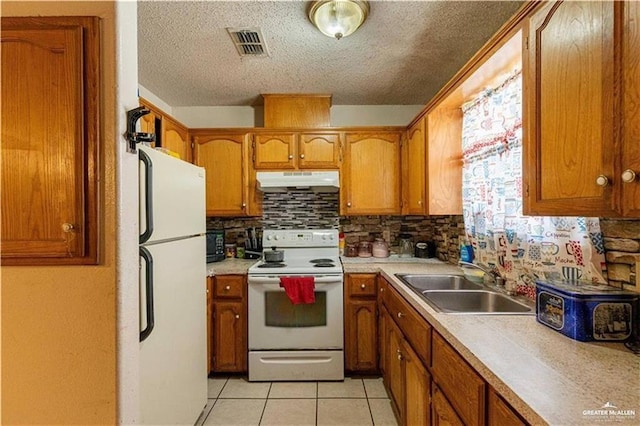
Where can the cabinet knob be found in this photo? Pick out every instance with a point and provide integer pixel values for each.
(302, 156)
(419, 202)
(602, 181)
(68, 227)
(227, 288)
(237, 316)
(400, 315)
(628, 176)
(381, 289)
(399, 354)
(362, 286)
(244, 205)
(290, 156)
(349, 204)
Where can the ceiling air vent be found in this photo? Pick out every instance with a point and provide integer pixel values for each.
(248, 41)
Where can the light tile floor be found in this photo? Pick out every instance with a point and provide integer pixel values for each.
(235, 401)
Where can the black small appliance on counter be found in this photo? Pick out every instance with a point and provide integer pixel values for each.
(215, 245)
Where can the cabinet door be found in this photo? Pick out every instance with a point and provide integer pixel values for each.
(382, 326)
(175, 137)
(631, 126)
(274, 151)
(319, 151)
(224, 158)
(50, 122)
(395, 372)
(569, 110)
(442, 413)
(413, 170)
(209, 324)
(444, 161)
(361, 338)
(230, 336)
(371, 178)
(417, 389)
(500, 413)
(462, 385)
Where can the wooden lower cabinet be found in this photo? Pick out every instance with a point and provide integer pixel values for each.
(229, 324)
(406, 377)
(442, 413)
(445, 390)
(417, 381)
(499, 413)
(464, 388)
(360, 323)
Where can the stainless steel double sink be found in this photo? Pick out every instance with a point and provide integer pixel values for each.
(456, 294)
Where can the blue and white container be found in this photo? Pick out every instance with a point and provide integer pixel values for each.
(586, 312)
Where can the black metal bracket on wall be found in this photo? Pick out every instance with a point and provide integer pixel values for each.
(132, 136)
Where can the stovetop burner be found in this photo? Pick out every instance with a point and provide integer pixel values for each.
(272, 265)
(321, 261)
(324, 265)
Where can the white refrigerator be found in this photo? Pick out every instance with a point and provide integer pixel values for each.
(173, 340)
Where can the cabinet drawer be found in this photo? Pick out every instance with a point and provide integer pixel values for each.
(459, 382)
(361, 285)
(229, 286)
(415, 328)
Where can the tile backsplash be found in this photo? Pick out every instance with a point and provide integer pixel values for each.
(304, 209)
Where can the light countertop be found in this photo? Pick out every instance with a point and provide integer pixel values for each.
(547, 377)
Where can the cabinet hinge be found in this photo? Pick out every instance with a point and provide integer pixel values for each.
(253, 150)
(193, 145)
(526, 43)
(526, 190)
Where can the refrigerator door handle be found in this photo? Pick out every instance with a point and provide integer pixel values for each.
(148, 196)
(148, 260)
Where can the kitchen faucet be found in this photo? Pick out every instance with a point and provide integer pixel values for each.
(493, 275)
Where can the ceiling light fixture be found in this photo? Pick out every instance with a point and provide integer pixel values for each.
(338, 18)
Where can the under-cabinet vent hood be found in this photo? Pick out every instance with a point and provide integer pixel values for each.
(314, 181)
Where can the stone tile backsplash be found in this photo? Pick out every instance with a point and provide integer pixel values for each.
(304, 209)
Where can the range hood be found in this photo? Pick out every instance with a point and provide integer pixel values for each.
(328, 181)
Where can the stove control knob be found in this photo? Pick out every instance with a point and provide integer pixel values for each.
(331, 237)
(276, 238)
(324, 237)
(268, 237)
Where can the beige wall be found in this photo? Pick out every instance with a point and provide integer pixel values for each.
(59, 323)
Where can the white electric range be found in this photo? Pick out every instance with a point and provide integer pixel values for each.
(297, 341)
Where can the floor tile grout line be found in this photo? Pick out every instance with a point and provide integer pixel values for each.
(264, 407)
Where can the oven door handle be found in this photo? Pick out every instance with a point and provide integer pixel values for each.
(327, 279)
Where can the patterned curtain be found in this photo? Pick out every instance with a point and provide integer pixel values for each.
(521, 249)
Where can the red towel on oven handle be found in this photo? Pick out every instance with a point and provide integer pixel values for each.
(299, 289)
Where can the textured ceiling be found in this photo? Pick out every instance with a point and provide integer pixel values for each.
(402, 55)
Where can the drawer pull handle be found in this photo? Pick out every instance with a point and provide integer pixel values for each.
(237, 316)
(400, 315)
(362, 286)
(227, 288)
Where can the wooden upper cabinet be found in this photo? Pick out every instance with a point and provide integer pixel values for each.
(296, 110)
(274, 151)
(296, 150)
(319, 150)
(371, 174)
(571, 111)
(444, 161)
(413, 170)
(631, 111)
(224, 157)
(50, 124)
(175, 137)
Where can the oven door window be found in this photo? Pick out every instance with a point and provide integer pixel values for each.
(280, 312)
